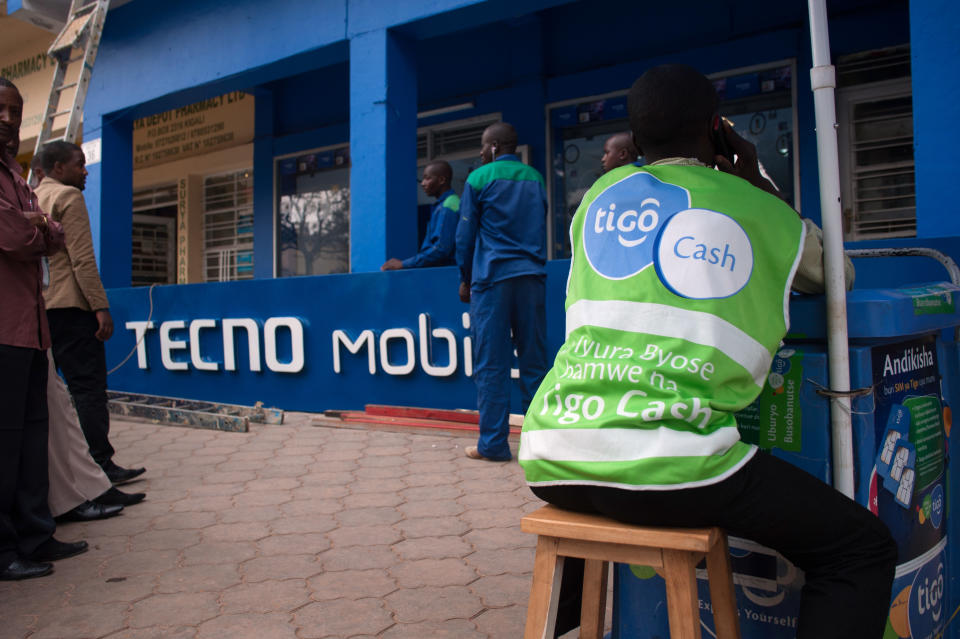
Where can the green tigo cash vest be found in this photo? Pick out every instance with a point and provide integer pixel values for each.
(677, 300)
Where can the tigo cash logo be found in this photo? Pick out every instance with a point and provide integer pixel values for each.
(622, 223)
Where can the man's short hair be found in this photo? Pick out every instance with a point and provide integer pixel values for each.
(57, 151)
(443, 168)
(4, 82)
(624, 140)
(669, 103)
(505, 134)
(36, 162)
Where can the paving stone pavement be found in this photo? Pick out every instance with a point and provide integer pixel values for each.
(292, 531)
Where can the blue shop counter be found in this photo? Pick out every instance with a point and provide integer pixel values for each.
(904, 357)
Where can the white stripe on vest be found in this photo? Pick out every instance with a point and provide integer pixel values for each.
(622, 444)
(668, 321)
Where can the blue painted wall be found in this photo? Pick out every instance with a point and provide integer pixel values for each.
(312, 100)
(935, 51)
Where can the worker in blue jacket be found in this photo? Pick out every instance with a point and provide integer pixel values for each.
(438, 243)
(501, 253)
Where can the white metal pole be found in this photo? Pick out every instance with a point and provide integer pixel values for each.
(823, 81)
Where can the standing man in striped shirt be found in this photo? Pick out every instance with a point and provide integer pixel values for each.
(501, 252)
(677, 301)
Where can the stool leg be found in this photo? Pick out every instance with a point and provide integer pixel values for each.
(683, 610)
(594, 605)
(545, 590)
(722, 596)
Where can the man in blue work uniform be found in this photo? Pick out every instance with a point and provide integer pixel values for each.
(619, 150)
(501, 252)
(438, 243)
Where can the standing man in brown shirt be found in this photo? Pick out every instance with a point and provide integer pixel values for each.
(26, 234)
(77, 305)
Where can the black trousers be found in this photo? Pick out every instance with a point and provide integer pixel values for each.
(82, 359)
(847, 553)
(25, 520)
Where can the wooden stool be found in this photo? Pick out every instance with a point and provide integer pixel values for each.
(673, 552)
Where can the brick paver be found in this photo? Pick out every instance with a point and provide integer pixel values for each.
(298, 531)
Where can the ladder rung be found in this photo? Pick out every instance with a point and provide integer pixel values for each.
(59, 113)
(65, 86)
(62, 58)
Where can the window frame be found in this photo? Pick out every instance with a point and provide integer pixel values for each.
(847, 98)
(235, 209)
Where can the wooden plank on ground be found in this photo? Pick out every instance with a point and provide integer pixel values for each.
(362, 417)
(443, 414)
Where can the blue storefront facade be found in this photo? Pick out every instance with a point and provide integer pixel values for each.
(349, 97)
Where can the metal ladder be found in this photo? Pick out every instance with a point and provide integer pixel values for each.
(192, 413)
(78, 42)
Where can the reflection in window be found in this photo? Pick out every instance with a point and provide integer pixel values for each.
(154, 235)
(314, 214)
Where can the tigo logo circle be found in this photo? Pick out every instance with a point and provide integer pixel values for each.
(622, 222)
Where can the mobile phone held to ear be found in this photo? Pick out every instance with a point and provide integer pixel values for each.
(720, 139)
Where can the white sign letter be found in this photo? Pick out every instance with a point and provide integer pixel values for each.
(198, 362)
(168, 345)
(426, 347)
(397, 333)
(139, 332)
(365, 339)
(295, 365)
(253, 343)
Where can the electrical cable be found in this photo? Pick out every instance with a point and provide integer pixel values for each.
(142, 336)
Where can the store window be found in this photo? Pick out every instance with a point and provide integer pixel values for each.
(313, 221)
(759, 101)
(228, 226)
(154, 235)
(875, 116)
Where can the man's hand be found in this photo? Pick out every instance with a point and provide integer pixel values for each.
(393, 264)
(747, 166)
(104, 325)
(37, 219)
(464, 292)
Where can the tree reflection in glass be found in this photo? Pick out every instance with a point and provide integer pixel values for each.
(315, 229)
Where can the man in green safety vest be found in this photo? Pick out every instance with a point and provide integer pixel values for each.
(677, 301)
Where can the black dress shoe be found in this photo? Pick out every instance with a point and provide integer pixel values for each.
(25, 569)
(120, 475)
(116, 497)
(53, 549)
(90, 511)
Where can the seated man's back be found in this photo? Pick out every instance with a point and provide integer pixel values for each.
(676, 304)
